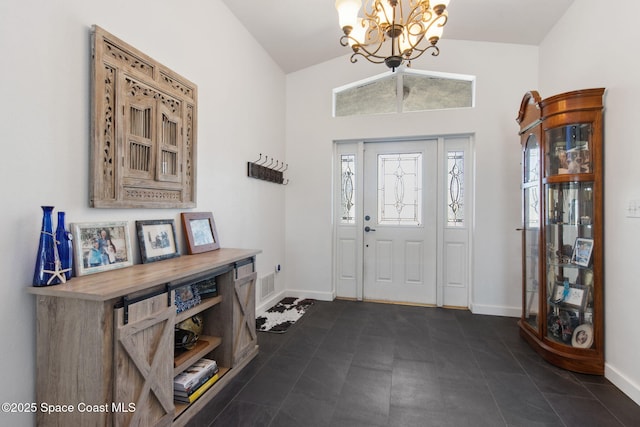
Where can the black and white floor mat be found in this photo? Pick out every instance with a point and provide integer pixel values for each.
(281, 316)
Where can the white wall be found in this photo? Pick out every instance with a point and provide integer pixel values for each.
(311, 130)
(590, 48)
(44, 87)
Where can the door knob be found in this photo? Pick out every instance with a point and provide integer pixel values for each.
(368, 229)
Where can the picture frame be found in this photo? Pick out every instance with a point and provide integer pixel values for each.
(582, 336)
(200, 232)
(582, 251)
(576, 298)
(186, 297)
(101, 246)
(157, 240)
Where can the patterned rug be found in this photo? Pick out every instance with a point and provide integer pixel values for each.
(283, 315)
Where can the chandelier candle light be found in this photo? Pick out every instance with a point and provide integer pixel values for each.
(392, 31)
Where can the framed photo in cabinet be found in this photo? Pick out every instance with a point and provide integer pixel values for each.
(582, 251)
(582, 336)
(572, 296)
(157, 240)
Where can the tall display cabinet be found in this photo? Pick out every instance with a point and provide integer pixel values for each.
(562, 228)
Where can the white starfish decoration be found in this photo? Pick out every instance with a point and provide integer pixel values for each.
(59, 271)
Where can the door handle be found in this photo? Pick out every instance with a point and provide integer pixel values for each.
(368, 229)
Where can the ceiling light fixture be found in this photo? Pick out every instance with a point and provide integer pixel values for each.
(392, 31)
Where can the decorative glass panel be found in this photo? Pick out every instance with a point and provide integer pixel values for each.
(455, 196)
(420, 93)
(370, 97)
(531, 159)
(400, 189)
(404, 90)
(531, 247)
(531, 236)
(348, 189)
(569, 151)
(570, 239)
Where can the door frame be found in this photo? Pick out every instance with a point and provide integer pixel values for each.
(351, 285)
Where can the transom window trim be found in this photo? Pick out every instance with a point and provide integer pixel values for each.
(401, 91)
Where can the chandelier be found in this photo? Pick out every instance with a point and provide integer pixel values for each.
(392, 31)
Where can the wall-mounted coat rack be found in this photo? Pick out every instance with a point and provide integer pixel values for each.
(266, 170)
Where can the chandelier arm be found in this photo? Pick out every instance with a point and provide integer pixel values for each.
(439, 21)
(366, 52)
(365, 49)
(373, 59)
(435, 52)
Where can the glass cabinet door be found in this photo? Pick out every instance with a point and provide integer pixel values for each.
(569, 244)
(568, 149)
(531, 236)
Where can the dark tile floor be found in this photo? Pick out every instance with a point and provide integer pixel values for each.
(365, 364)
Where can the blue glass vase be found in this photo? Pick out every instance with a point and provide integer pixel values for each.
(65, 251)
(46, 256)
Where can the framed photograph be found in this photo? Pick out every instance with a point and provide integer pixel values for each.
(157, 239)
(186, 297)
(200, 232)
(574, 296)
(582, 251)
(582, 336)
(101, 246)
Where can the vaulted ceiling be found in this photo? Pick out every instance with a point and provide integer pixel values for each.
(301, 33)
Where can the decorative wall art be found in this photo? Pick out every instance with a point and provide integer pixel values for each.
(101, 246)
(157, 240)
(144, 130)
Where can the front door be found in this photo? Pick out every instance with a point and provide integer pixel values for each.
(400, 221)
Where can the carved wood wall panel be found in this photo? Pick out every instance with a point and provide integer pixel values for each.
(144, 127)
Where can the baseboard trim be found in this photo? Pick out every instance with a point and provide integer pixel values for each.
(321, 296)
(626, 385)
(274, 299)
(496, 310)
(269, 302)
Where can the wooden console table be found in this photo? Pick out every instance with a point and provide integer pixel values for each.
(105, 342)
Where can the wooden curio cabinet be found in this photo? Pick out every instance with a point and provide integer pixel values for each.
(562, 228)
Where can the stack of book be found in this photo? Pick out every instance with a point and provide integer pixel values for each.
(195, 380)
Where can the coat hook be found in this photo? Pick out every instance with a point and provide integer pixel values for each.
(268, 169)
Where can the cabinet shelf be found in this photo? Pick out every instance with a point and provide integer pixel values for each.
(205, 304)
(181, 407)
(204, 346)
(577, 177)
(566, 265)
